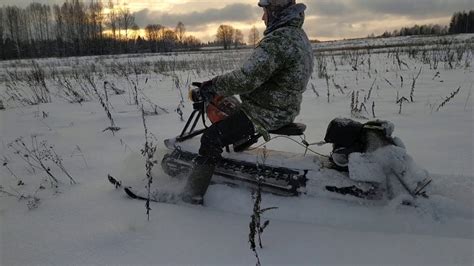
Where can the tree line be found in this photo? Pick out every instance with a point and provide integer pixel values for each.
(227, 36)
(76, 29)
(461, 22)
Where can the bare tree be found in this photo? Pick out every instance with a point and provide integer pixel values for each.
(152, 31)
(126, 20)
(169, 39)
(75, 25)
(96, 20)
(254, 36)
(135, 32)
(180, 32)
(34, 11)
(78, 27)
(13, 22)
(42, 15)
(2, 30)
(112, 19)
(225, 35)
(66, 15)
(33, 14)
(191, 42)
(2, 27)
(59, 29)
(43, 21)
(238, 38)
(152, 34)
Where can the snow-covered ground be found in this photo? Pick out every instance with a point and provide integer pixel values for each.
(92, 223)
(400, 41)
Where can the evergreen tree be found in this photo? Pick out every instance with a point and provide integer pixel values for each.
(462, 22)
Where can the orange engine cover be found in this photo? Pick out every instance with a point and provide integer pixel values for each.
(221, 107)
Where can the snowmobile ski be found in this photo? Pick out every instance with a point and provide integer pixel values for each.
(154, 197)
(160, 197)
(114, 181)
(133, 195)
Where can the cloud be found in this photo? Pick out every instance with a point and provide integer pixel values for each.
(414, 9)
(328, 8)
(326, 28)
(325, 18)
(194, 20)
(24, 3)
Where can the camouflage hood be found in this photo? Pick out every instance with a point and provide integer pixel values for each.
(272, 80)
(291, 16)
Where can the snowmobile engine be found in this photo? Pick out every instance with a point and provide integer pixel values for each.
(221, 107)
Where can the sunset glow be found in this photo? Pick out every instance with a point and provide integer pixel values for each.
(325, 20)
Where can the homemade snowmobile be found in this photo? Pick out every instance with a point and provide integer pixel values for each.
(291, 174)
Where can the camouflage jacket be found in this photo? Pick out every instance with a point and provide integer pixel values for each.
(271, 82)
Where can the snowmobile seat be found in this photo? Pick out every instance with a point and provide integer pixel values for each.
(292, 129)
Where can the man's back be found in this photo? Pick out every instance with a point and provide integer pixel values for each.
(277, 101)
(272, 80)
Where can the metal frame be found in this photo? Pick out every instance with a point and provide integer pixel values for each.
(198, 113)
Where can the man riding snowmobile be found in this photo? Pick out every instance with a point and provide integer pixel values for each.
(270, 84)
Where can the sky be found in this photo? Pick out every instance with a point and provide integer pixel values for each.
(325, 19)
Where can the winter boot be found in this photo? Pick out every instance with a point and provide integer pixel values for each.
(198, 180)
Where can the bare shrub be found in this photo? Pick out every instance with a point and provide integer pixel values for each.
(104, 102)
(357, 107)
(255, 226)
(412, 91)
(36, 81)
(321, 66)
(400, 102)
(148, 152)
(68, 90)
(38, 154)
(27, 89)
(448, 99)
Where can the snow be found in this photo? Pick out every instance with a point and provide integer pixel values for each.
(383, 164)
(388, 127)
(364, 167)
(93, 223)
(400, 41)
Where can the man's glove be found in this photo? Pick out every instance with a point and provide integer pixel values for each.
(203, 92)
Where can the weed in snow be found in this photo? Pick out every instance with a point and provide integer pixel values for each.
(255, 226)
(148, 152)
(449, 98)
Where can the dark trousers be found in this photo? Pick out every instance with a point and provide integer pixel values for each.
(225, 132)
(228, 131)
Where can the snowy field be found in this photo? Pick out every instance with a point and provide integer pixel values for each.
(67, 213)
(401, 41)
